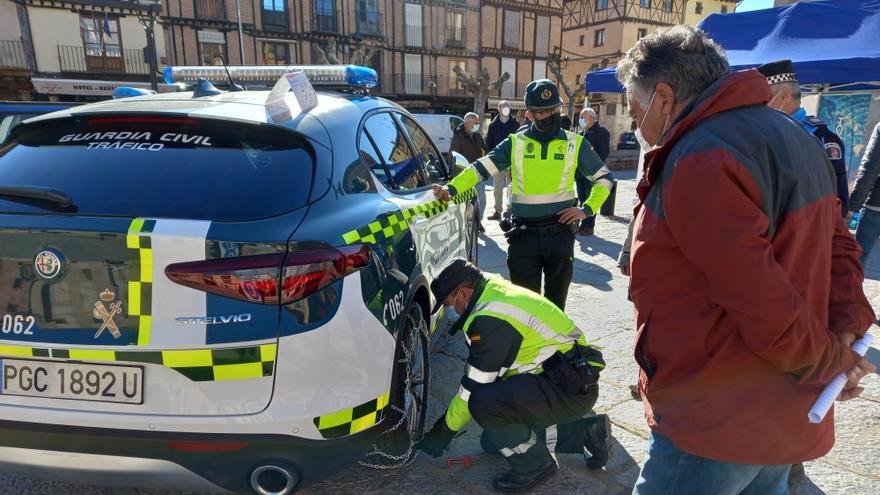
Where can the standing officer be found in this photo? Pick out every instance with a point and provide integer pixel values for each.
(544, 160)
(787, 98)
(531, 377)
(600, 139)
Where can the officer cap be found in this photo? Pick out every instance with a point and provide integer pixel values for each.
(778, 72)
(456, 273)
(542, 94)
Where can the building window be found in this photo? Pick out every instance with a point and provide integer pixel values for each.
(698, 9)
(454, 84)
(611, 109)
(540, 70)
(455, 29)
(275, 15)
(599, 40)
(369, 21)
(210, 9)
(508, 89)
(412, 66)
(601, 4)
(101, 43)
(581, 41)
(325, 16)
(667, 5)
(645, 4)
(542, 36)
(413, 32)
(724, 9)
(512, 24)
(276, 53)
(212, 47)
(641, 33)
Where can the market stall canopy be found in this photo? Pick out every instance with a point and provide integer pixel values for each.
(833, 43)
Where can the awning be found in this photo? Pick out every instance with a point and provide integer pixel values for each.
(515, 103)
(89, 87)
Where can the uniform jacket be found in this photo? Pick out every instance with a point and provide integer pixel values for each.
(471, 146)
(600, 138)
(834, 148)
(742, 272)
(867, 188)
(498, 131)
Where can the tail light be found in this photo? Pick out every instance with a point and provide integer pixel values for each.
(271, 278)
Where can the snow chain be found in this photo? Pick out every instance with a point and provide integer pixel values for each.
(408, 457)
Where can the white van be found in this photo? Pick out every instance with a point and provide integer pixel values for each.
(439, 127)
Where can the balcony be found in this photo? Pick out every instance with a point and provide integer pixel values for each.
(211, 9)
(421, 85)
(414, 36)
(325, 21)
(73, 58)
(276, 21)
(369, 22)
(455, 37)
(12, 55)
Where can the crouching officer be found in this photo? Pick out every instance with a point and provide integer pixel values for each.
(543, 159)
(531, 378)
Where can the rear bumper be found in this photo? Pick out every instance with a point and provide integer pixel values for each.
(203, 462)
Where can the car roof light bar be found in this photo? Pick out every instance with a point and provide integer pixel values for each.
(319, 75)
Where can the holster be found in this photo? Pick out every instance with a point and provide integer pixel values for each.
(575, 371)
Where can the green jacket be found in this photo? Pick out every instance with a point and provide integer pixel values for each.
(510, 330)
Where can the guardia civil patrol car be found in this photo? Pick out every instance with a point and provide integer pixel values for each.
(220, 290)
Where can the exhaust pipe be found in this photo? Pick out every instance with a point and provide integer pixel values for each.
(269, 479)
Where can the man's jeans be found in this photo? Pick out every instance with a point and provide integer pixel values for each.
(867, 232)
(669, 471)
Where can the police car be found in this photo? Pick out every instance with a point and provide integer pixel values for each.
(220, 290)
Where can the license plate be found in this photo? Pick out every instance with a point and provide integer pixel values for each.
(60, 380)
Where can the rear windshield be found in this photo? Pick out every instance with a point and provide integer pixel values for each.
(159, 167)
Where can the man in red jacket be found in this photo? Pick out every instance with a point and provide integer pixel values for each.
(746, 282)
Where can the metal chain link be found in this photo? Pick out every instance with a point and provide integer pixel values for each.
(400, 461)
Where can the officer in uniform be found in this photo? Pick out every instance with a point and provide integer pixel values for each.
(787, 98)
(531, 378)
(544, 160)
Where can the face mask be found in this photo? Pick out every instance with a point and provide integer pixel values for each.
(644, 118)
(505, 111)
(550, 124)
(475, 128)
(451, 312)
(772, 102)
(643, 143)
(582, 123)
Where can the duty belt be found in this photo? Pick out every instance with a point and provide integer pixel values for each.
(539, 226)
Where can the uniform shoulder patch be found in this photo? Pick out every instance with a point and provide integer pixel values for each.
(834, 151)
(814, 121)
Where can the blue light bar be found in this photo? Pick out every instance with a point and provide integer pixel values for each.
(128, 92)
(319, 75)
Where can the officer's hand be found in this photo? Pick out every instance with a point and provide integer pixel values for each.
(437, 440)
(571, 215)
(852, 389)
(442, 192)
(624, 269)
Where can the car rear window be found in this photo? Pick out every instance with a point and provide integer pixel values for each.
(171, 167)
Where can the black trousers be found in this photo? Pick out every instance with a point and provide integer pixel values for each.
(526, 417)
(530, 256)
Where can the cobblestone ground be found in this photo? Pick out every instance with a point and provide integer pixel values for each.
(597, 302)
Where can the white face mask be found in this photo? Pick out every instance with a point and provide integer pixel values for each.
(505, 111)
(582, 123)
(643, 143)
(646, 146)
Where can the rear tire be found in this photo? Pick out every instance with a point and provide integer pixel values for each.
(407, 408)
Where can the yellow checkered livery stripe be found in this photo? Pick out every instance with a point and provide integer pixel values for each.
(199, 365)
(140, 288)
(351, 421)
(389, 225)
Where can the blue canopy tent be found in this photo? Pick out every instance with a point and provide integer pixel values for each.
(834, 44)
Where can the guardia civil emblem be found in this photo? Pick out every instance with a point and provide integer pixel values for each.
(530, 147)
(106, 314)
(48, 263)
(546, 94)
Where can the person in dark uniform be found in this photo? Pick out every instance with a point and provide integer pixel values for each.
(600, 138)
(531, 378)
(544, 161)
(787, 98)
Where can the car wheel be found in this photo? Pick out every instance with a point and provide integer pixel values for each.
(407, 407)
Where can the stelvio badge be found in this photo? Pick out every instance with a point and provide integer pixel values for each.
(106, 316)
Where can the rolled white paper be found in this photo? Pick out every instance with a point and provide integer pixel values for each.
(832, 390)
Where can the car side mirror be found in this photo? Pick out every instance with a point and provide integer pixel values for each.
(459, 163)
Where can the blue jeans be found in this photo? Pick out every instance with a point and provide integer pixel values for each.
(867, 232)
(670, 471)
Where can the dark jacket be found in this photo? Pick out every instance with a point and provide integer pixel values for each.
(600, 138)
(498, 131)
(743, 271)
(867, 188)
(472, 146)
(834, 148)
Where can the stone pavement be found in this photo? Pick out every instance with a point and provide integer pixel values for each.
(597, 302)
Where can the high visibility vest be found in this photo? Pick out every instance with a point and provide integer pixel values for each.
(541, 181)
(544, 327)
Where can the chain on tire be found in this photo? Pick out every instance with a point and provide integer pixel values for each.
(419, 329)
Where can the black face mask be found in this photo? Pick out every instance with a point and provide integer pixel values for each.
(550, 124)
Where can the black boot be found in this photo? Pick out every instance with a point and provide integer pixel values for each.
(597, 440)
(515, 481)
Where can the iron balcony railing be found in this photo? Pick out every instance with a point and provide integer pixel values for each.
(210, 9)
(369, 22)
(274, 20)
(73, 58)
(325, 21)
(12, 55)
(455, 37)
(414, 36)
(420, 85)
